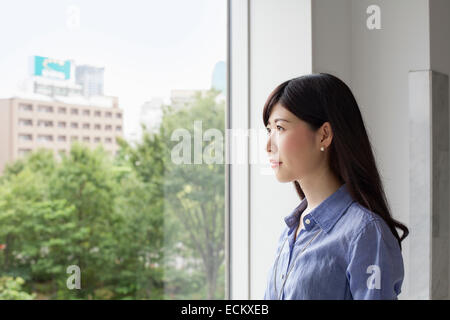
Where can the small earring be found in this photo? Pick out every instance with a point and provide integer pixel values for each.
(322, 149)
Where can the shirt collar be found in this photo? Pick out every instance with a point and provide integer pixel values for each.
(327, 213)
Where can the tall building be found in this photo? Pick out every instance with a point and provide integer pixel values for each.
(52, 88)
(219, 77)
(182, 98)
(151, 111)
(151, 114)
(35, 121)
(56, 109)
(52, 77)
(91, 80)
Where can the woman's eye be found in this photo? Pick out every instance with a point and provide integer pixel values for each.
(278, 127)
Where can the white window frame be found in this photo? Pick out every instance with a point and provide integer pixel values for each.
(237, 231)
(262, 53)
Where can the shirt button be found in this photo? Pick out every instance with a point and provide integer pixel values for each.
(307, 221)
(282, 277)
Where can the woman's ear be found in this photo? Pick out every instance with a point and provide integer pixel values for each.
(326, 134)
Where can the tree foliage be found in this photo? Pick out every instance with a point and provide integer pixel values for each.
(123, 221)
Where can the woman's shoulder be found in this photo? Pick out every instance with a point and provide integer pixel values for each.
(359, 220)
(359, 215)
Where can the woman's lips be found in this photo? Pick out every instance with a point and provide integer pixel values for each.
(275, 164)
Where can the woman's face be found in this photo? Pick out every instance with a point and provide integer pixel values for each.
(292, 142)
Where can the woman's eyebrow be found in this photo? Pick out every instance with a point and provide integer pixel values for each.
(278, 119)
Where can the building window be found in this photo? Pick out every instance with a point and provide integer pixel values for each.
(23, 152)
(25, 137)
(86, 139)
(45, 123)
(108, 115)
(97, 140)
(118, 128)
(60, 91)
(97, 114)
(74, 138)
(108, 127)
(25, 122)
(86, 125)
(108, 140)
(62, 138)
(62, 110)
(25, 107)
(119, 115)
(47, 109)
(74, 125)
(74, 111)
(44, 138)
(86, 113)
(97, 127)
(61, 124)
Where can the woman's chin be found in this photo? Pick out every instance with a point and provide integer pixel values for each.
(282, 178)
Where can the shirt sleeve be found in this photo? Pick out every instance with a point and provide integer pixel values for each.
(375, 268)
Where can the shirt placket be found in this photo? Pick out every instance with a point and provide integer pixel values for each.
(308, 224)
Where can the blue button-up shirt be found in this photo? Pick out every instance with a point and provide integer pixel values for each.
(345, 252)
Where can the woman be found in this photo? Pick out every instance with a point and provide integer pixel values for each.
(341, 241)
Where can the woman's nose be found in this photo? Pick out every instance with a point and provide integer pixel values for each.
(271, 145)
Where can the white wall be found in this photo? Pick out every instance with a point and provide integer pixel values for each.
(440, 35)
(379, 64)
(331, 38)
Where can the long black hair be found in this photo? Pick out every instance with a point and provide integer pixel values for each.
(320, 98)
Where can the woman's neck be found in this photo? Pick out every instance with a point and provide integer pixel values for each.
(318, 188)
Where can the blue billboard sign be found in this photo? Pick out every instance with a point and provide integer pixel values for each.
(51, 68)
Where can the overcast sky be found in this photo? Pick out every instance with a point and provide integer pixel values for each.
(147, 47)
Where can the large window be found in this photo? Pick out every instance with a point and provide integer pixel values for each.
(134, 209)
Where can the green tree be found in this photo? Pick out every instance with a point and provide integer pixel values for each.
(35, 229)
(84, 210)
(84, 179)
(11, 289)
(120, 220)
(142, 203)
(194, 193)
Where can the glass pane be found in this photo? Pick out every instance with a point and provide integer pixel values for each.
(104, 99)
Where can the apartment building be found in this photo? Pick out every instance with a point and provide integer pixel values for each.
(29, 123)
